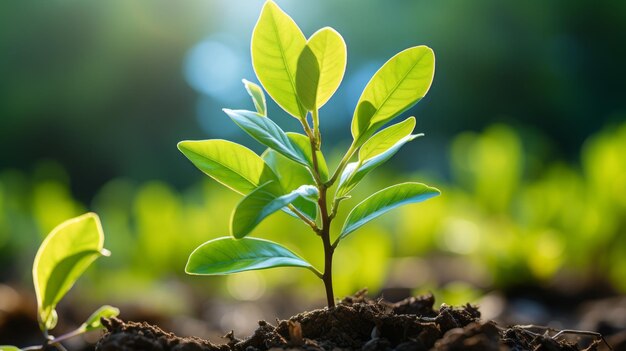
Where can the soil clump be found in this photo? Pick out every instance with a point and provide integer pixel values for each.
(358, 323)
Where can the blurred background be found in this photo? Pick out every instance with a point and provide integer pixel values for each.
(525, 129)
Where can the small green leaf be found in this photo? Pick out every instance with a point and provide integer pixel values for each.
(231, 164)
(386, 138)
(292, 176)
(321, 66)
(93, 322)
(399, 84)
(266, 132)
(261, 203)
(303, 144)
(377, 150)
(384, 201)
(257, 95)
(276, 45)
(227, 255)
(62, 257)
(9, 348)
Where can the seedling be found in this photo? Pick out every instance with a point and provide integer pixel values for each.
(292, 175)
(61, 259)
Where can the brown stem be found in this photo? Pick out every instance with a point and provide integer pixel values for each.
(324, 230)
(328, 247)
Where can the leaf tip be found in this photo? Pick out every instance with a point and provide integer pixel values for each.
(181, 145)
(415, 136)
(270, 3)
(104, 252)
(187, 268)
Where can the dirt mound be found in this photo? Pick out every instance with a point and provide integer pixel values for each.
(356, 323)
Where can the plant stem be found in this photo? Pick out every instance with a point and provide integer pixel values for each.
(315, 146)
(342, 164)
(326, 219)
(316, 128)
(55, 341)
(304, 218)
(64, 337)
(329, 249)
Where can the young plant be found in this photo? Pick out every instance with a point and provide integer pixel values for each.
(61, 259)
(301, 75)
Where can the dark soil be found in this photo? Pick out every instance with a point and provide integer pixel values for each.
(358, 323)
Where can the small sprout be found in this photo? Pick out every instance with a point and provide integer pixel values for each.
(94, 321)
(62, 258)
(291, 175)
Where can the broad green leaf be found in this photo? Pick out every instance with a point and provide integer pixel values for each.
(377, 150)
(276, 45)
(62, 257)
(321, 66)
(384, 201)
(303, 144)
(399, 84)
(257, 95)
(93, 322)
(268, 133)
(227, 255)
(231, 164)
(261, 203)
(9, 348)
(292, 176)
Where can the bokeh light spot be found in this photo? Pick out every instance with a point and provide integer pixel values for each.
(213, 68)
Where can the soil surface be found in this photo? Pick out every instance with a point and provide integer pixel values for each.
(358, 323)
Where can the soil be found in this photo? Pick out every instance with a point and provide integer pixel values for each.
(359, 323)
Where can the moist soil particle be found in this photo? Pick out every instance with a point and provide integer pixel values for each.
(356, 323)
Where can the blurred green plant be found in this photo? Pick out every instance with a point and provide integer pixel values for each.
(561, 220)
(301, 75)
(61, 259)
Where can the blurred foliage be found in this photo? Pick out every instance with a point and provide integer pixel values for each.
(564, 225)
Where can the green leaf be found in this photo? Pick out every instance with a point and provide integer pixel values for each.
(227, 255)
(303, 144)
(9, 348)
(384, 201)
(321, 66)
(268, 133)
(231, 164)
(386, 138)
(399, 84)
(276, 45)
(292, 176)
(261, 203)
(93, 322)
(62, 257)
(257, 95)
(377, 150)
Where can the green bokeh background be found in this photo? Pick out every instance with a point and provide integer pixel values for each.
(525, 136)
